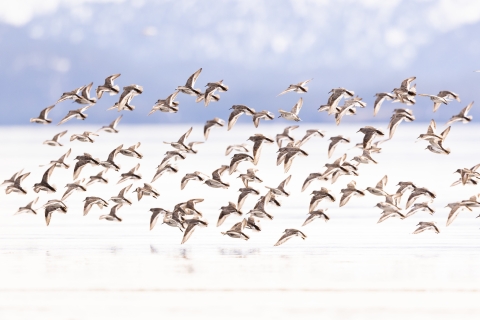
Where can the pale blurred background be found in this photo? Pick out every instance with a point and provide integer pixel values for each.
(257, 47)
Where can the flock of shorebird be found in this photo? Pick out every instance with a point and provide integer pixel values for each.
(185, 215)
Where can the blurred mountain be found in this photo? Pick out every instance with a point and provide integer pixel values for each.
(257, 47)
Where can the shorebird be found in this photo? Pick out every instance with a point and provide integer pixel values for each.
(84, 137)
(174, 219)
(418, 192)
(111, 128)
(197, 175)
(236, 231)
(28, 208)
(288, 234)
(455, 209)
(130, 175)
(110, 162)
(468, 174)
(54, 142)
(293, 114)
(289, 153)
(51, 208)
(244, 192)
(299, 87)
(253, 224)
(437, 147)
(309, 134)
(350, 191)
(280, 190)
(70, 95)
(390, 214)
(156, 212)
(108, 86)
(166, 105)
(364, 158)
(77, 113)
(112, 216)
(406, 92)
(389, 205)
(285, 135)
(210, 91)
(398, 116)
(91, 201)
(165, 167)
(42, 118)
(443, 97)
(462, 116)
(120, 198)
(227, 211)
(437, 100)
(334, 99)
(369, 134)
(188, 88)
(44, 185)
(83, 161)
(238, 110)
(76, 185)
(271, 199)
(216, 181)
(264, 114)
(348, 108)
(424, 226)
(11, 181)
(84, 96)
(318, 196)
(431, 136)
(405, 186)
(313, 176)
(126, 97)
(180, 144)
(98, 178)
(237, 147)
(146, 190)
(258, 140)
(417, 207)
(236, 159)
(379, 100)
(378, 189)
(250, 176)
(132, 151)
(191, 226)
(215, 122)
(188, 208)
(60, 163)
(172, 155)
(312, 215)
(259, 209)
(336, 140)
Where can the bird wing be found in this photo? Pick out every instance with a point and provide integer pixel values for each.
(257, 149)
(193, 78)
(44, 112)
(188, 232)
(381, 184)
(116, 121)
(465, 110)
(185, 136)
(284, 182)
(47, 174)
(283, 239)
(154, 217)
(232, 119)
(296, 108)
(432, 127)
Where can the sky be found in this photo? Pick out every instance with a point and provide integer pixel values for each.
(257, 47)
